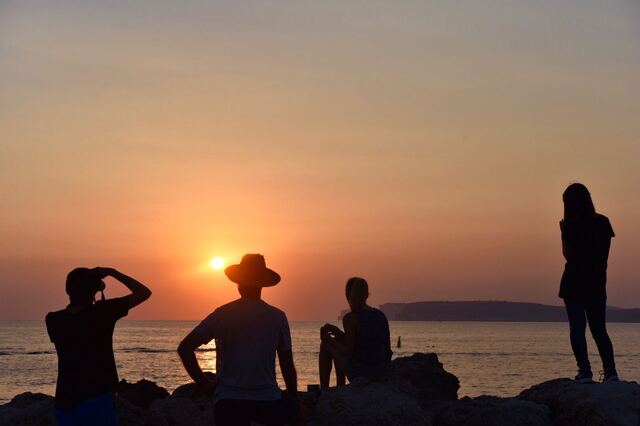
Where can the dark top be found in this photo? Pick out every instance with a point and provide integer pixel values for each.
(83, 340)
(587, 244)
(373, 344)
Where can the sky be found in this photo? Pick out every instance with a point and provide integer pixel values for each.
(422, 145)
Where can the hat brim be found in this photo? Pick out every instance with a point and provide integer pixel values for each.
(241, 275)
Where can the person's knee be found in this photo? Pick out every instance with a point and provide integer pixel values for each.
(599, 332)
(577, 331)
(578, 325)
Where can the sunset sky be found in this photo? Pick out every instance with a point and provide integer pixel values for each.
(423, 145)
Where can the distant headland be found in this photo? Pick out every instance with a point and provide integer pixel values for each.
(490, 311)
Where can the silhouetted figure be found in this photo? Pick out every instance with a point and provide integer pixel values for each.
(83, 334)
(364, 348)
(586, 239)
(248, 333)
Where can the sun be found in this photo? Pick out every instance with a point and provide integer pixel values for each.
(216, 263)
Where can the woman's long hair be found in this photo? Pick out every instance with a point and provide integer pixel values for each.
(577, 202)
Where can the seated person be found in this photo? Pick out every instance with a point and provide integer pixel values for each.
(364, 348)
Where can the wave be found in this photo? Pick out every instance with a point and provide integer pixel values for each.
(157, 350)
(11, 353)
(125, 350)
(144, 350)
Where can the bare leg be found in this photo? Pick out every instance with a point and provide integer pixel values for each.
(325, 362)
(332, 351)
(340, 377)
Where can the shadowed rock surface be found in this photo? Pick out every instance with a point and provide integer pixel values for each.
(141, 393)
(418, 391)
(491, 410)
(423, 376)
(28, 409)
(364, 403)
(571, 403)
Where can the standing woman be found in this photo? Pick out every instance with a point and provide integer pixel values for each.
(586, 239)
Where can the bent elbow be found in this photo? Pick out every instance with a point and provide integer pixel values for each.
(145, 295)
(182, 349)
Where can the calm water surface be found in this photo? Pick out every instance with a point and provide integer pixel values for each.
(488, 358)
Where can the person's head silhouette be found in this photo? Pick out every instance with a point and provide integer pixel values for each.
(83, 284)
(357, 292)
(577, 202)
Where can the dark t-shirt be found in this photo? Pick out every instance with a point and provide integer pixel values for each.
(83, 340)
(373, 342)
(587, 244)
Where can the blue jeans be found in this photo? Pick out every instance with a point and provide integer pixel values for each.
(96, 411)
(594, 312)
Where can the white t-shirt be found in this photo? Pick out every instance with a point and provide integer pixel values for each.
(248, 333)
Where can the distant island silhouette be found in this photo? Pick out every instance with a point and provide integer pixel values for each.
(491, 311)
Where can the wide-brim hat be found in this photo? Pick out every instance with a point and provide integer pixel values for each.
(252, 271)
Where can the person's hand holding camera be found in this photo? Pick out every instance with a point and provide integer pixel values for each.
(103, 272)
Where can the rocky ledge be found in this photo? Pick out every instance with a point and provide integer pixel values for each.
(418, 392)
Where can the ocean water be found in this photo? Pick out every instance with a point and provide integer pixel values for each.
(488, 357)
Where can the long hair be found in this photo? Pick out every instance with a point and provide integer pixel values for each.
(577, 202)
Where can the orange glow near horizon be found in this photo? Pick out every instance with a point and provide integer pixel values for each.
(422, 145)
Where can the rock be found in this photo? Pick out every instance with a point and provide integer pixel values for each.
(26, 399)
(367, 404)
(423, 376)
(129, 414)
(180, 412)
(142, 393)
(418, 391)
(189, 390)
(28, 409)
(491, 410)
(571, 403)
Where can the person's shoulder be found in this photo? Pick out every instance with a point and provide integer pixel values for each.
(379, 312)
(116, 303)
(227, 306)
(111, 302)
(350, 317)
(53, 316)
(381, 315)
(603, 222)
(349, 314)
(226, 309)
(275, 311)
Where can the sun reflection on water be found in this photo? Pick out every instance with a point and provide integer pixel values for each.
(206, 356)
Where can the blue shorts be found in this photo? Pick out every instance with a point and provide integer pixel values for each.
(97, 411)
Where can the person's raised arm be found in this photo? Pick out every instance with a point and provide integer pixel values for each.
(186, 350)
(288, 369)
(139, 292)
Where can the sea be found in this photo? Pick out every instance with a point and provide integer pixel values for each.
(494, 358)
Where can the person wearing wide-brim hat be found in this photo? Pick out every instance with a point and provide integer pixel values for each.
(248, 333)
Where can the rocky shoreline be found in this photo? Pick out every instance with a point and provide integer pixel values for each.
(418, 391)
